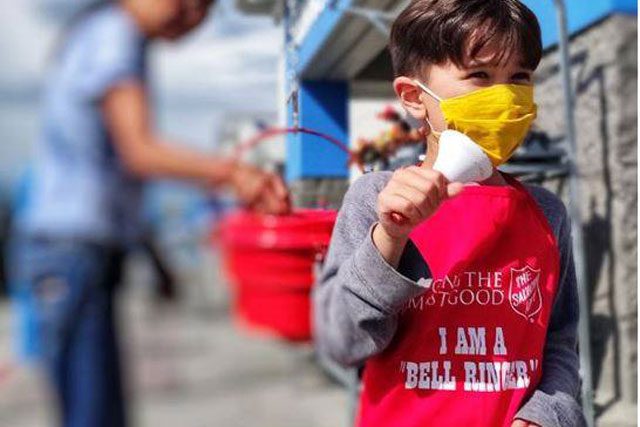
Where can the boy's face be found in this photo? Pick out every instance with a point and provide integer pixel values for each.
(449, 80)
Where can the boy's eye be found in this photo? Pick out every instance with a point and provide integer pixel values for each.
(478, 75)
(522, 77)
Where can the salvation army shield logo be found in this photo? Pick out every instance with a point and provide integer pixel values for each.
(524, 291)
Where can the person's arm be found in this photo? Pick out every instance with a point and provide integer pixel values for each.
(358, 293)
(554, 402)
(126, 112)
(125, 108)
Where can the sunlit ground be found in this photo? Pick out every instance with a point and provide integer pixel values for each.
(188, 366)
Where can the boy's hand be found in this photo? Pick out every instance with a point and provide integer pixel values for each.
(412, 195)
(523, 423)
(415, 193)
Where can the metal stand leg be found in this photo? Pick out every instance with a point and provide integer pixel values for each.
(576, 217)
(348, 378)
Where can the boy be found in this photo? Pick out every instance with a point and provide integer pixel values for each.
(459, 300)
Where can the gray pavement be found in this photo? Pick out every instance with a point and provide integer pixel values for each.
(189, 366)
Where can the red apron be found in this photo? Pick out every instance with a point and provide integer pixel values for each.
(468, 352)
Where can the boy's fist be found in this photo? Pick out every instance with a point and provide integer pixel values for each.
(412, 195)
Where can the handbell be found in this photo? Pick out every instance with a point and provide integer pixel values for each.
(460, 159)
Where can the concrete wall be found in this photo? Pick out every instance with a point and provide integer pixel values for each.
(604, 69)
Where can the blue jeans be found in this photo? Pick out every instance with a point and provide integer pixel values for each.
(71, 286)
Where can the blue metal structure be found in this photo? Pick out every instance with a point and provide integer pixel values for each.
(322, 105)
(320, 31)
(580, 15)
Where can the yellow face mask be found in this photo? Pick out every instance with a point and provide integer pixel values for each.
(496, 118)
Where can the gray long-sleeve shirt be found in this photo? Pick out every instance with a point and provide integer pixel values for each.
(359, 295)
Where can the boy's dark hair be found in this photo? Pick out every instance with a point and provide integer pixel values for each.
(434, 31)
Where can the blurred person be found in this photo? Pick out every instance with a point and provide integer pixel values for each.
(96, 149)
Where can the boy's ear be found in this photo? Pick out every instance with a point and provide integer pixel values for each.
(410, 95)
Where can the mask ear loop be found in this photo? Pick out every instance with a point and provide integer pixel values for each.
(434, 96)
(426, 89)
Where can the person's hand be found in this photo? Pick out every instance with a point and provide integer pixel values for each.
(260, 191)
(412, 195)
(523, 423)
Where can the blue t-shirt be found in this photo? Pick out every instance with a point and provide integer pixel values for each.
(80, 188)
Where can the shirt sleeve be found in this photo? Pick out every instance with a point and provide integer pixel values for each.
(554, 402)
(112, 52)
(358, 294)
